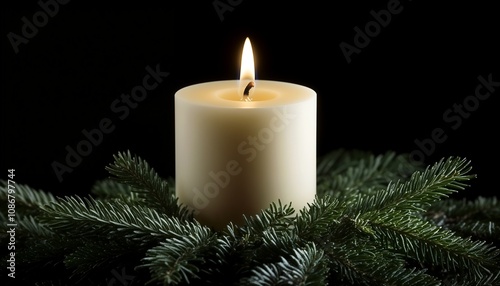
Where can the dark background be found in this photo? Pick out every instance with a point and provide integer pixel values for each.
(395, 91)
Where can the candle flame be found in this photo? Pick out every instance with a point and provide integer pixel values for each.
(247, 71)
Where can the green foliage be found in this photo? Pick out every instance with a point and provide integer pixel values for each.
(91, 217)
(179, 258)
(303, 267)
(343, 173)
(419, 192)
(112, 189)
(27, 199)
(478, 218)
(319, 219)
(156, 192)
(376, 220)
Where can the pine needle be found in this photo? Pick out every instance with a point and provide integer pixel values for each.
(376, 220)
(135, 172)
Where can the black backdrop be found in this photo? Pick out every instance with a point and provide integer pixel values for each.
(65, 63)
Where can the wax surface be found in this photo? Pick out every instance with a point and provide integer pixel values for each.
(235, 157)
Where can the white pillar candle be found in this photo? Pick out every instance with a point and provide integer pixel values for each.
(235, 157)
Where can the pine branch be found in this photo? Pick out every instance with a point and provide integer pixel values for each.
(101, 254)
(340, 160)
(305, 266)
(135, 172)
(343, 173)
(76, 216)
(38, 244)
(264, 239)
(479, 218)
(240, 248)
(180, 258)
(362, 262)
(42, 253)
(249, 239)
(390, 216)
(431, 245)
(26, 197)
(112, 189)
(489, 231)
(492, 279)
(132, 227)
(29, 226)
(265, 275)
(356, 259)
(276, 216)
(230, 259)
(371, 224)
(422, 190)
(315, 222)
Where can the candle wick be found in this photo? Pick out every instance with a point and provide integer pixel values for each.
(246, 92)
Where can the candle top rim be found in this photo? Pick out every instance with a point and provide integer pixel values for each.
(267, 94)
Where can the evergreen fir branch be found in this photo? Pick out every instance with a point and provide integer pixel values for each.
(44, 251)
(77, 216)
(489, 231)
(135, 172)
(479, 218)
(275, 244)
(239, 248)
(102, 254)
(422, 190)
(135, 227)
(433, 246)
(28, 202)
(357, 260)
(492, 279)
(265, 275)
(37, 243)
(371, 224)
(340, 160)
(26, 196)
(315, 222)
(305, 266)
(179, 259)
(112, 189)
(363, 262)
(239, 253)
(29, 226)
(277, 216)
(480, 208)
(230, 259)
(248, 238)
(345, 173)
